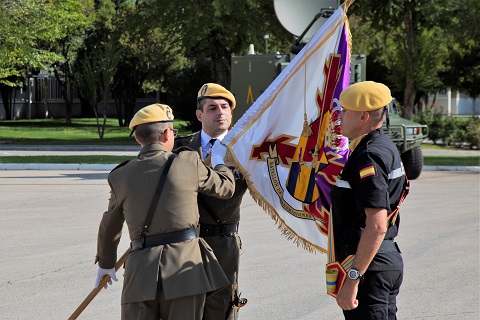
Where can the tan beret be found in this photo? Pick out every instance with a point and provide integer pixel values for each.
(365, 96)
(153, 113)
(213, 90)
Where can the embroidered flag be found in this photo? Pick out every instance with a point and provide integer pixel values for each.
(367, 172)
(289, 145)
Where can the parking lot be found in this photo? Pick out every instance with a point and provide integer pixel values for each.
(49, 221)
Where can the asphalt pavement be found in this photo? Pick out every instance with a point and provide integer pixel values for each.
(49, 222)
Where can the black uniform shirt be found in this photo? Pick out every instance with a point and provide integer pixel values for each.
(373, 177)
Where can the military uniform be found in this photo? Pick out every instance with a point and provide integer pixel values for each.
(169, 279)
(373, 177)
(221, 236)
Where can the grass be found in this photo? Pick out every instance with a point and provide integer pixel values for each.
(468, 161)
(82, 132)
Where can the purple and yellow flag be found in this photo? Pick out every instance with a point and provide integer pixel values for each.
(289, 144)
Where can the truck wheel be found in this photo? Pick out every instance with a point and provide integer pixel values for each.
(413, 162)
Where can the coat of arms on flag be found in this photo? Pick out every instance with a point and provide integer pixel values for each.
(289, 145)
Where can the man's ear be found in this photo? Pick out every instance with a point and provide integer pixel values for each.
(199, 114)
(166, 135)
(365, 116)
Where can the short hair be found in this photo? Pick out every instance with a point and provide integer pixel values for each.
(150, 133)
(378, 115)
(200, 104)
(202, 101)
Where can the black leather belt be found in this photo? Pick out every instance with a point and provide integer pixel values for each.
(388, 246)
(162, 239)
(218, 230)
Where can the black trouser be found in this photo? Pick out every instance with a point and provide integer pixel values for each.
(377, 296)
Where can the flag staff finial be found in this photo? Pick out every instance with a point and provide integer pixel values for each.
(347, 4)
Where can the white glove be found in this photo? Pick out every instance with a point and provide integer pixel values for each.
(103, 272)
(218, 153)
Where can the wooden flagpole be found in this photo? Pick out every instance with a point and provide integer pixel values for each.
(96, 290)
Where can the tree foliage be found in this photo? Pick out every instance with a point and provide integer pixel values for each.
(73, 18)
(210, 32)
(25, 25)
(419, 46)
(175, 46)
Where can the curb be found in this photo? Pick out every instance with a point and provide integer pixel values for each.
(53, 166)
(109, 167)
(451, 168)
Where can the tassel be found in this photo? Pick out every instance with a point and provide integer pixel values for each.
(307, 131)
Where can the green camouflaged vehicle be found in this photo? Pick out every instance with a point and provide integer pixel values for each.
(407, 136)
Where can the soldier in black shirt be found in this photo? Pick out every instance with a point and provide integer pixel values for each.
(367, 190)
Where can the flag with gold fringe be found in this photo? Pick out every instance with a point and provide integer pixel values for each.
(289, 145)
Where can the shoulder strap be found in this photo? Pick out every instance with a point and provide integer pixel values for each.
(156, 196)
(209, 210)
(392, 217)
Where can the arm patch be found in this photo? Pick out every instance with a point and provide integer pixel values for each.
(367, 172)
(120, 165)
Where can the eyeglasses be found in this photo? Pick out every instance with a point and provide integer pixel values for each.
(175, 131)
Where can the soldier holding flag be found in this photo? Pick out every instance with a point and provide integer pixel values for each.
(369, 188)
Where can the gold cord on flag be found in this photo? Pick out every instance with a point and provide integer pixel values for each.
(307, 131)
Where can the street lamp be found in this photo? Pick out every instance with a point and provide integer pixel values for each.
(266, 37)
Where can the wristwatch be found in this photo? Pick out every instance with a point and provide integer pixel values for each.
(354, 274)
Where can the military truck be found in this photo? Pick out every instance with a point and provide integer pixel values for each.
(252, 74)
(407, 136)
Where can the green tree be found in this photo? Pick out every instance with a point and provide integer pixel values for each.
(464, 62)
(25, 25)
(210, 32)
(412, 42)
(149, 55)
(73, 18)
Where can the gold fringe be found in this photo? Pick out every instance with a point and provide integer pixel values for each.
(345, 6)
(307, 131)
(284, 228)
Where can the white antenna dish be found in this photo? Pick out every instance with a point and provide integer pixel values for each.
(296, 15)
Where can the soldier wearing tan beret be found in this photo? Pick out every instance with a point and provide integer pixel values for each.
(219, 219)
(170, 268)
(367, 191)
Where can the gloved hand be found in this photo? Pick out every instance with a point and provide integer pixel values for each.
(218, 154)
(103, 272)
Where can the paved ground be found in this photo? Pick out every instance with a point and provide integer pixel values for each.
(49, 221)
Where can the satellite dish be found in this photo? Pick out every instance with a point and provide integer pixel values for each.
(296, 15)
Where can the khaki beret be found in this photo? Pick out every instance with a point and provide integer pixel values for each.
(365, 96)
(213, 90)
(153, 113)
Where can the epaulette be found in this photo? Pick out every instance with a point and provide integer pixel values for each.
(189, 137)
(120, 165)
(182, 148)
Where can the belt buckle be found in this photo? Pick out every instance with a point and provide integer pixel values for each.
(225, 232)
(134, 244)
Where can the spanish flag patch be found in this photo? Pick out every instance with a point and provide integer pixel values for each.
(367, 172)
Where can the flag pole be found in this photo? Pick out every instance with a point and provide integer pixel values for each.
(96, 290)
